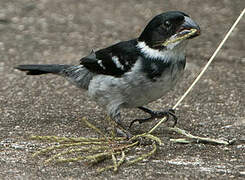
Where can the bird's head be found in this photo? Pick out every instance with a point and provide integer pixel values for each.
(168, 30)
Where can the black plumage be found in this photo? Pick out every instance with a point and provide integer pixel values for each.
(101, 61)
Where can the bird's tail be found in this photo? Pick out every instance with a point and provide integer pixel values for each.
(76, 74)
(38, 69)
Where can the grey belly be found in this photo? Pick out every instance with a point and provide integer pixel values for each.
(148, 91)
(130, 91)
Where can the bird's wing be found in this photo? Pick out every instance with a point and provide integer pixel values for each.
(114, 60)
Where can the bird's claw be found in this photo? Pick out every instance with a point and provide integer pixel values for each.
(158, 114)
(123, 133)
(142, 141)
(171, 112)
(139, 120)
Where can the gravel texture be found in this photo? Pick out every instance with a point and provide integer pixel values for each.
(60, 31)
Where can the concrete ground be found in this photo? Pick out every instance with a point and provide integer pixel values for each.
(60, 31)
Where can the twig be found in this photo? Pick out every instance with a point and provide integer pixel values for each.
(62, 146)
(72, 139)
(84, 119)
(91, 157)
(147, 135)
(195, 139)
(70, 151)
(115, 166)
(143, 156)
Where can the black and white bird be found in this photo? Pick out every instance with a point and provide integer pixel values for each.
(131, 74)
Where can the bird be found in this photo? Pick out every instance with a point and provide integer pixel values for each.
(132, 73)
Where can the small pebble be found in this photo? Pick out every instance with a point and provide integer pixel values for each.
(11, 51)
(242, 173)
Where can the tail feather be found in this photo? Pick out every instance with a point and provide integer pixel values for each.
(38, 69)
(76, 74)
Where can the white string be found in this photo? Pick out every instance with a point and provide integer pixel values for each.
(204, 69)
(210, 60)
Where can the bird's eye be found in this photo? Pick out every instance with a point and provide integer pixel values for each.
(167, 24)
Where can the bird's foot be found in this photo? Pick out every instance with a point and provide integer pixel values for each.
(123, 133)
(156, 114)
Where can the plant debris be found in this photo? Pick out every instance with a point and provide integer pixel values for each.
(116, 149)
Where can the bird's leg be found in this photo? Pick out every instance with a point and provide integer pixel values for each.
(120, 128)
(156, 114)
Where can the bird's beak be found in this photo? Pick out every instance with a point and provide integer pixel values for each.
(189, 26)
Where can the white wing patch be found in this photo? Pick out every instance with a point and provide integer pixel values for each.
(101, 64)
(116, 61)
